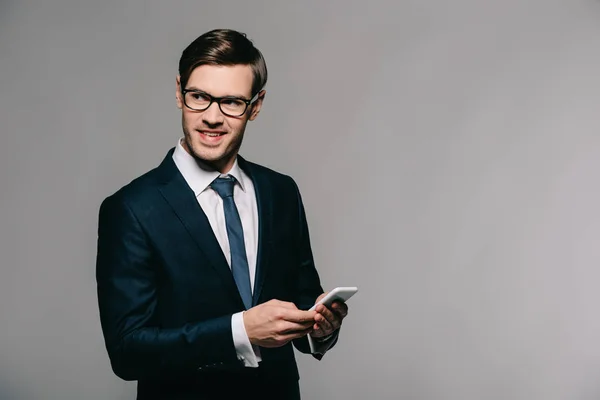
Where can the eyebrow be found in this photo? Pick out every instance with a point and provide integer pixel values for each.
(195, 89)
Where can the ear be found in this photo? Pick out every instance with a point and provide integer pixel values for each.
(178, 95)
(257, 105)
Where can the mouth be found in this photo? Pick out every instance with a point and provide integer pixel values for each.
(212, 133)
(211, 138)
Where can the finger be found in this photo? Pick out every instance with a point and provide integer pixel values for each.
(284, 327)
(296, 334)
(340, 308)
(334, 319)
(324, 324)
(317, 331)
(320, 332)
(297, 315)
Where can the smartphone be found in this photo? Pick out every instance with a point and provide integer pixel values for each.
(339, 294)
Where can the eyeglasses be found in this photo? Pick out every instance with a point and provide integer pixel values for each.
(198, 100)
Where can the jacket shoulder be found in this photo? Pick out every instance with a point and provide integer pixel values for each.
(276, 178)
(136, 190)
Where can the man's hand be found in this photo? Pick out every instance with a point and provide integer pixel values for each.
(275, 323)
(328, 320)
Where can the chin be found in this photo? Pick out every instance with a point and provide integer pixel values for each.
(212, 152)
(208, 155)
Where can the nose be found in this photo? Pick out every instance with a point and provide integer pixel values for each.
(213, 115)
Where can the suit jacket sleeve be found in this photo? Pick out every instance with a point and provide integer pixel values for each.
(127, 277)
(309, 285)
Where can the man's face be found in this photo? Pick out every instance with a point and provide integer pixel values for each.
(210, 135)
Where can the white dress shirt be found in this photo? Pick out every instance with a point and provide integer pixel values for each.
(199, 177)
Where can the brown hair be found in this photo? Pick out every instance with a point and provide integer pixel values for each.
(223, 47)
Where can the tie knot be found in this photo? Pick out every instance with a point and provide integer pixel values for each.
(223, 186)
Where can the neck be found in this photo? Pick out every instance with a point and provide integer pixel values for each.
(223, 166)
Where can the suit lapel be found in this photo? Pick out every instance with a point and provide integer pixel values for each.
(181, 198)
(263, 190)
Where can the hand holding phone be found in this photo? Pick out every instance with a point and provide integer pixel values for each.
(342, 293)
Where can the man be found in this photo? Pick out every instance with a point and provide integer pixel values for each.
(204, 268)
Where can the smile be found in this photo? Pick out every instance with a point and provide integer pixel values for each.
(212, 134)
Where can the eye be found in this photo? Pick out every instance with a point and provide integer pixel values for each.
(232, 102)
(198, 96)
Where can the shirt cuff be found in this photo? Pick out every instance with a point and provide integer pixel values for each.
(243, 347)
(321, 345)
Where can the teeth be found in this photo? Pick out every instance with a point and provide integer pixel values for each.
(212, 134)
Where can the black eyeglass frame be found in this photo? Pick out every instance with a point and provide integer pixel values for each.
(218, 100)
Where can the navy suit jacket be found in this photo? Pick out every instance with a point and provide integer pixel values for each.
(166, 293)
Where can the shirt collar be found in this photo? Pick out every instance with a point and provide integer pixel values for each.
(198, 175)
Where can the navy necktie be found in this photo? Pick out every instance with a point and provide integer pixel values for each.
(235, 234)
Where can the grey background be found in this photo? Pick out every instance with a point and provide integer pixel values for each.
(447, 153)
